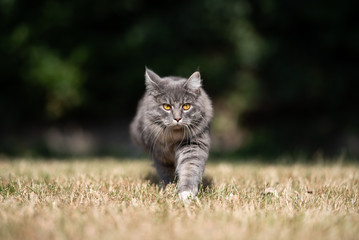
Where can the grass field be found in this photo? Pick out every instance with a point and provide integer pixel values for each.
(119, 199)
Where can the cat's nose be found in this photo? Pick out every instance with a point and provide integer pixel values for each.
(178, 119)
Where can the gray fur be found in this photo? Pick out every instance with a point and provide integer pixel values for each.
(179, 149)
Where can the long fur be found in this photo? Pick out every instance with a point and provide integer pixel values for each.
(179, 150)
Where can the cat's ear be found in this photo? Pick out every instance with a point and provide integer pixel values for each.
(194, 82)
(152, 79)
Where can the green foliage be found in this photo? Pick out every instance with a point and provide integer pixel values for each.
(283, 75)
(61, 79)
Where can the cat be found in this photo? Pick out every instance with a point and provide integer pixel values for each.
(172, 124)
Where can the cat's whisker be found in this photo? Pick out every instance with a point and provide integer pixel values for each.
(154, 123)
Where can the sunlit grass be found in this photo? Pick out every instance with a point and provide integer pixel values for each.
(114, 199)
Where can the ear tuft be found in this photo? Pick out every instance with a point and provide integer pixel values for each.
(194, 81)
(151, 79)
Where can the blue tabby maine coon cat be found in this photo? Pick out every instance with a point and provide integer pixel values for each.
(172, 124)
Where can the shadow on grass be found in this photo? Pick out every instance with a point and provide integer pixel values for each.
(207, 181)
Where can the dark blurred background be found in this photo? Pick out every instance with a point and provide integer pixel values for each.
(283, 75)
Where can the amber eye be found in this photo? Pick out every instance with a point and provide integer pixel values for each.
(167, 107)
(186, 106)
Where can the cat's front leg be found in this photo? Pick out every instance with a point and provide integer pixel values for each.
(165, 172)
(191, 161)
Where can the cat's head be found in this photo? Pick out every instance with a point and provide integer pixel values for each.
(175, 102)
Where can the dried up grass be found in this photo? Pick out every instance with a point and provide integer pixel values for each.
(109, 199)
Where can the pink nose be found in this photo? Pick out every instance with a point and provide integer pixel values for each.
(178, 119)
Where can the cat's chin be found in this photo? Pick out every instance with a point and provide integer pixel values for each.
(177, 127)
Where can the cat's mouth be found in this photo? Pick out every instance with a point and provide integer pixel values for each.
(177, 127)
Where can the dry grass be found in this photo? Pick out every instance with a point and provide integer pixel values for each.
(109, 199)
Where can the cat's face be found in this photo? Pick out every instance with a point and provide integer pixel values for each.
(174, 103)
(177, 112)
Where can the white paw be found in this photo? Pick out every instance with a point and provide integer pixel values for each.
(186, 196)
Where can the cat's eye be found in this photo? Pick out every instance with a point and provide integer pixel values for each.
(186, 106)
(167, 107)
